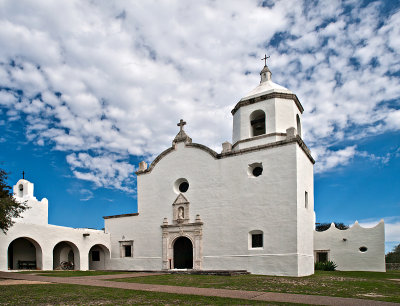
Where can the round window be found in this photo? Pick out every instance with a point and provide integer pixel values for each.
(363, 249)
(257, 171)
(183, 187)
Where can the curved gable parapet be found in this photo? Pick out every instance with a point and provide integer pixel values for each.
(355, 226)
(171, 149)
(158, 158)
(204, 148)
(216, 155)
(268, 96)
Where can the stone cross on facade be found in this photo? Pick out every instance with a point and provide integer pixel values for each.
(265, 59)
(181, 124)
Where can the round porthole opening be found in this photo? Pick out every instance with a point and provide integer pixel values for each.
(181, 185)
(257, 171)
(363, 249)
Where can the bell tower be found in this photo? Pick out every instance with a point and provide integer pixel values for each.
(265, 113)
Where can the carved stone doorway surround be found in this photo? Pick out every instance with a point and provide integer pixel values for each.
(182, 227)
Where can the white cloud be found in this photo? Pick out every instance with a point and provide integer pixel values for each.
(104, 171)
(329, 159)
(113, 78)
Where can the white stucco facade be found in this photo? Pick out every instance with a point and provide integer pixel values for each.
(250, 207)
(226, 203)
(33, 243)
(353, 249)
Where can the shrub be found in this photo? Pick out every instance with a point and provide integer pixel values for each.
(325, 266)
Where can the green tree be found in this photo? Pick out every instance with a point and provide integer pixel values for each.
(324, 226)
(9, 207)
(394, 256)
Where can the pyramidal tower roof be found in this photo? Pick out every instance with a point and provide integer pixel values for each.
(266, 86)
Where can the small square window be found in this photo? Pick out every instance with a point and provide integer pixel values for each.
(95, 255)
(257, 240)
(126, 248)
(322, 256)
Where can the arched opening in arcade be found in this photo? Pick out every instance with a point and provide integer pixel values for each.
(66, 256)
(99, 256)
(24, 254)
(183, 253)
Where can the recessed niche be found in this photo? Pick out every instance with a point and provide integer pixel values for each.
(363, 249)
(181, 185)
(255, 169)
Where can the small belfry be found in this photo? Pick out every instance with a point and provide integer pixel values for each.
(265, 114)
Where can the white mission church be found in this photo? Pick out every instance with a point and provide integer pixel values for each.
(250, 207)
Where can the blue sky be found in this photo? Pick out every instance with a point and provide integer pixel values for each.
(88, 90)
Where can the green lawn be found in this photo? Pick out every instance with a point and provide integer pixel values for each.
(364, 285)
(60, 294)
(71, 273)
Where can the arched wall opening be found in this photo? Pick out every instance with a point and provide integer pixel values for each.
(21, 190)
(66, 252)
(257, 123)
(99, 256)
(24, 253)
(183, 253)
(298, 125)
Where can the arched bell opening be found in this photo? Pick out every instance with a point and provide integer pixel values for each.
(24, 253)
(257, 123)
(183, 253)
(298, 125)
(99, 256)
(66, 256)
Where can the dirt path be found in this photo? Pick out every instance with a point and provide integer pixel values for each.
(101, 281)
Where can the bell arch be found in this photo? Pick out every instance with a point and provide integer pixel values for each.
(24, 253)
(257, 123)
(298, 125)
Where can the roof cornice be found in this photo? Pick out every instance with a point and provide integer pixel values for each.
(268, 96)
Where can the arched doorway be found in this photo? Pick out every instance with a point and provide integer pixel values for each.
(66, 252)
(98, 257)
(24, 254)
(183, 253)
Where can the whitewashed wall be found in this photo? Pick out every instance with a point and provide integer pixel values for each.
(343, 247)
(35, 228)
(38, 210)
(230, 203)
(46, 237)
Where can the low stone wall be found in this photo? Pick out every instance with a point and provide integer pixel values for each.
(392, 266)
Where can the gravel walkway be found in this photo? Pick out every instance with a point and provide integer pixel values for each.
(101, 281)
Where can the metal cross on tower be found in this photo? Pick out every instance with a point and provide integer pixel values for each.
(181, 124)
(23, 175)
(265, 59)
